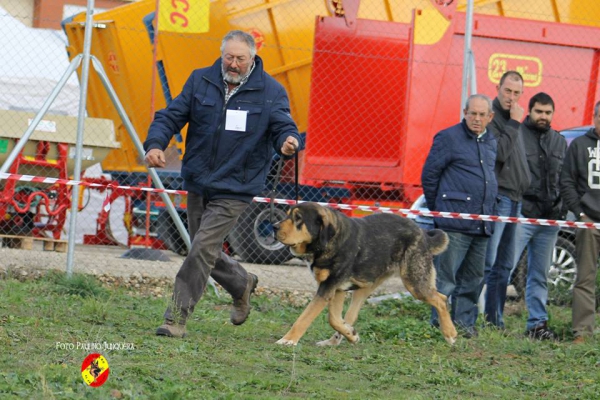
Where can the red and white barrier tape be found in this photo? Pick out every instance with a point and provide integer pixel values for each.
(351, 207)
(68, 182)
(445, 214)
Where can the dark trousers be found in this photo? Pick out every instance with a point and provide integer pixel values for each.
(587, 243)
(499, 261)
(459, 275)
(209, 222)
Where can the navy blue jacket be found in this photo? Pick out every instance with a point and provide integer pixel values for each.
(221, 163)
(458, 176)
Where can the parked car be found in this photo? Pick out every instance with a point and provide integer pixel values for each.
(561, 275)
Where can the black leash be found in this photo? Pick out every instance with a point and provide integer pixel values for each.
(276, 182)
(274, 190)
(296, 188)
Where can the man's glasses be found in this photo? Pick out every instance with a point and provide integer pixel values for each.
(241, 60)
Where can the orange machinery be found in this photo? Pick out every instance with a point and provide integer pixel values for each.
(284, 30)
(404, 81)
(366, 135)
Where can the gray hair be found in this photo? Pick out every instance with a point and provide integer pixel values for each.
(481, 97)
(242, 37)
(597, 109)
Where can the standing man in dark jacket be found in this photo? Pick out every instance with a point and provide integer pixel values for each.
(237, 115)
(458, 176)
(545, 149)
(580, 187)
(513, 178)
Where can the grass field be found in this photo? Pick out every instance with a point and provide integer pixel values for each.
(46, 325)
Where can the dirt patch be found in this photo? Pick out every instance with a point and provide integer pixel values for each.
(139, 284)
(152, 277)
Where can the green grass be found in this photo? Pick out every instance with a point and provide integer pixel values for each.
(399, 356)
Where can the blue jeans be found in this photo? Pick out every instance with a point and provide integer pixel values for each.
(459, 273)
(499, 260)
(540, 241)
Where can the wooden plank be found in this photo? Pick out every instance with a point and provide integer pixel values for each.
(26, 243)
(60, 247)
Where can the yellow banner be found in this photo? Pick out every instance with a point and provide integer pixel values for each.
(183, 16)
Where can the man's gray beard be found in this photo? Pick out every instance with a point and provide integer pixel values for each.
(233, 80)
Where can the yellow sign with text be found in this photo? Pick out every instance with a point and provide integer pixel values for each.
(183, 16)
(529, 67)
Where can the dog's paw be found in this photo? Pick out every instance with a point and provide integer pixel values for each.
(355, 339)
(352, 336)
(286, 342)
(334, 340)
(327, 342)
(450, 335)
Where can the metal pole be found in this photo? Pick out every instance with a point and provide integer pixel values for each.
(473, 73)
(140, 148)
(466, 56)
(87, 44)
(36, 120)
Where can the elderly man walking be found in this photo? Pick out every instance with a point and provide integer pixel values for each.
(238, 116)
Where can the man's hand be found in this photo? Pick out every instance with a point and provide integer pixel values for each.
(155, 158)
(516, 111)
(289, 146)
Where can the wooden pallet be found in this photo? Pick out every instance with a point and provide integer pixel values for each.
(26, 243)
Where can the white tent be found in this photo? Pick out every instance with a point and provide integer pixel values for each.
(33, 61)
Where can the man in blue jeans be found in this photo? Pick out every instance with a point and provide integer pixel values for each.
(545, 149)
(458, 176)
(513, 178)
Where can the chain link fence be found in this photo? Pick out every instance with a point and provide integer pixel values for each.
(370, 83)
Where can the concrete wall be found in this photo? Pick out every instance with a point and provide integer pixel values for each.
(20, 9)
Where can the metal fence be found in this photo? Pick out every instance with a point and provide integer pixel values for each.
(369, 83)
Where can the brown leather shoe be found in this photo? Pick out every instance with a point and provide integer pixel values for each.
(579, 340)
(171, 329)
(241, 307)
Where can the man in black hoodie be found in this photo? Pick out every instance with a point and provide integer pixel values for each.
(545, 150)
(580, 189)
(513, 178)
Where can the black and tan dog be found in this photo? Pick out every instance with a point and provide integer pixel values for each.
(359, 254)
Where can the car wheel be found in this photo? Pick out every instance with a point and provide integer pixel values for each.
(519, 276)
(561, 275)
(169, 234)
(253, 239)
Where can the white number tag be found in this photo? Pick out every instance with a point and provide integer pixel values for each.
(236, 120)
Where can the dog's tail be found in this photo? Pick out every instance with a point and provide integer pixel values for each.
(436, 240)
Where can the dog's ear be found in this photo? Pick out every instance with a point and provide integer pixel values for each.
(326, 234)
(327, 231)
